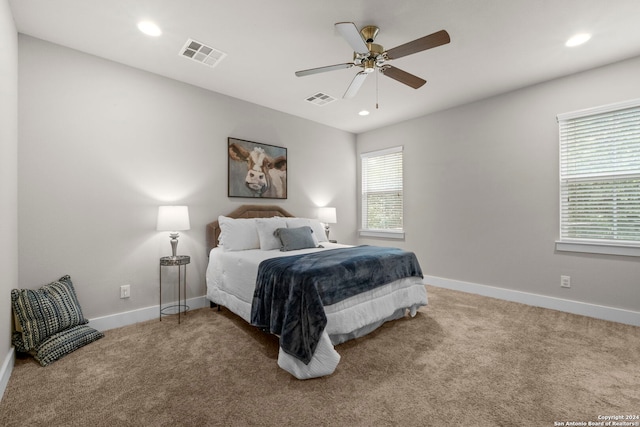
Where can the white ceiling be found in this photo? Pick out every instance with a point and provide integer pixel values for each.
(496, 46)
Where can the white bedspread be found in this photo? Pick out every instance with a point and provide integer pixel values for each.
(231, 280)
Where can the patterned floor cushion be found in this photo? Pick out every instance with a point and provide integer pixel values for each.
(65, 342)
(49, 322)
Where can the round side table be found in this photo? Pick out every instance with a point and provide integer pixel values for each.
(181, 262)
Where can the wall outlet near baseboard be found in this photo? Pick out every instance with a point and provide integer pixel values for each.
(125, 291)
(565, 281)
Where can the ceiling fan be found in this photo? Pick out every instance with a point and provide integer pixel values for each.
(371, 56)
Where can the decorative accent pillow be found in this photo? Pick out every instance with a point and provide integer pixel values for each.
(16, 341)
(65, 342)
(318, 229)
(49, 321)
(44, 312)
(295, 238)
(266, 228)
(238, 234)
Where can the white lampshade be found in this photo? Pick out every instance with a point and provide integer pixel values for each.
(327, 215)
(173, 218)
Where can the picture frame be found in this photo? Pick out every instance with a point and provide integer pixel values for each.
(256, 170)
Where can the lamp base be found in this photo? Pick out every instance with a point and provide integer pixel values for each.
(174, 243)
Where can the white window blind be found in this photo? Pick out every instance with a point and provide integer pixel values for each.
(382, 192)
(600, 175)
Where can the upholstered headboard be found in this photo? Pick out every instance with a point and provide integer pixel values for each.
(244, 211)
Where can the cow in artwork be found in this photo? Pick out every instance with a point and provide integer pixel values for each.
(266, 175)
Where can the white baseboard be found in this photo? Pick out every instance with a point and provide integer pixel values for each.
(6, 369)
(118, 320)
(575, 307)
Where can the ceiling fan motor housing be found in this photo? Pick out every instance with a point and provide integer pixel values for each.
(374, 58)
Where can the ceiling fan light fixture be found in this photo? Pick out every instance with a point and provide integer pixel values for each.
(369, 66)
(578, 39)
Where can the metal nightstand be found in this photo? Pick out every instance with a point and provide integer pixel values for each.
(181, 262)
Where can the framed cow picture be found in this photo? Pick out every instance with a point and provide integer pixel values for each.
(256, 170)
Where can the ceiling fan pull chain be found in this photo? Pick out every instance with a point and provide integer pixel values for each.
(377, 89)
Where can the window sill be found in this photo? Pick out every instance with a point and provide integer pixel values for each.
(385, 234)
(597, 248)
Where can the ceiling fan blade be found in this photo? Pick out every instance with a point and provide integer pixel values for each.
(308, 72)
(355, 85)
(350, 32)
(427, 42)
(402, 76)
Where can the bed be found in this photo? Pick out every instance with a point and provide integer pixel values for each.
(243, 244)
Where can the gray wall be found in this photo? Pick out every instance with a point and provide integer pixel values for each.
(481, 191)
(8, 178)
(102, 145)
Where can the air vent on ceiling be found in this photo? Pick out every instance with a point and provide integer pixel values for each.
(202, 53)
(320, 99)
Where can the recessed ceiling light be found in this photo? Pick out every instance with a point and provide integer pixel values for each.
(364, 113)
(578, 39)
(149, 28)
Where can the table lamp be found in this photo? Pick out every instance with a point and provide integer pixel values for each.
(328, 216)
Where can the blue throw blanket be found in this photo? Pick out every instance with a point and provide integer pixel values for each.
(291, 291)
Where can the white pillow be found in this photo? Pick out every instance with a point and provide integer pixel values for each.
(266, 227)
(297, 222)
(318, 230)
(238, 234)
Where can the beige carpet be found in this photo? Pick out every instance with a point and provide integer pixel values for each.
(464, 360)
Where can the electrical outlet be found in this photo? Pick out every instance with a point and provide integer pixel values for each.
(565, 281)
(125, 291)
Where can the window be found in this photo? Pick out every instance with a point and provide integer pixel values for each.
(600, 179)
(382, 195)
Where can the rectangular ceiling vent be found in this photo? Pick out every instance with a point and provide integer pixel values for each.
(320, 99)
(202, 53)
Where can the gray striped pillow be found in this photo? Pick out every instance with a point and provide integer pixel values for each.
(45, 312)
